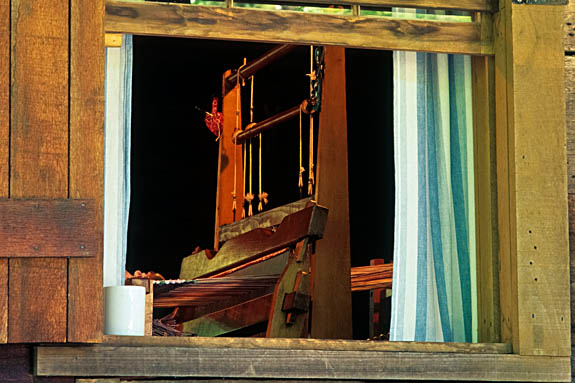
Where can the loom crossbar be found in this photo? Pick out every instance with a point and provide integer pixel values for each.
(261, 62)
(267, 124)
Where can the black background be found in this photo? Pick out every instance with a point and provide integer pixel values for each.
(174, 156)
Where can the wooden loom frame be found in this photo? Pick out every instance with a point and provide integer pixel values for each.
(520, 175)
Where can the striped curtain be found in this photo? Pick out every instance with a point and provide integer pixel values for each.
(117, 160)
(434, 284)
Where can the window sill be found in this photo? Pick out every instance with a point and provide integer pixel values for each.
(296, 359)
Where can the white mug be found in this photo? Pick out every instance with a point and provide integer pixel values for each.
(124, 310)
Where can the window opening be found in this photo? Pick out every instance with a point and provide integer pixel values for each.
(174, 156)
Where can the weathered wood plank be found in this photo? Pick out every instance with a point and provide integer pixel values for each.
(295, 364)
(538, 178)
(483, 78)
(309, 344)
(264, 219)
(257, 243)
(47, 228)
(39, 158)
(534, 241)
(464, 5)
(572, 273)
(505, 185)
(39, 313)
(331, 265)
(161, 19)
(87, 65)
(570, 120)
(4, 150)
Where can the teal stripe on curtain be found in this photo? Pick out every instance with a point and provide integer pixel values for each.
(434, 254)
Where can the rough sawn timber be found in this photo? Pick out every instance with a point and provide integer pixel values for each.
(177, 20)
(228, 362)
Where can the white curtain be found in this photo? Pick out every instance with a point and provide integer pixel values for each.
(434, 283)
(117, 160)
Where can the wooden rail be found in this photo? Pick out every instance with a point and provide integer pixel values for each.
(463, 5)
(268, 123)
(241, 24)
(261, 62)
(252, 358)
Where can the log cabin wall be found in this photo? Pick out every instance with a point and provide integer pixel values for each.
(51, 148)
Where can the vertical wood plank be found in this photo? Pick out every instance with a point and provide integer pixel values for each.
(538, 159)
(4, 150)
(570, 113)
(331, 315)
(483, 78)
(229, 153)
(505, 181)
(39, 158)
(572, 275)
(87, 65)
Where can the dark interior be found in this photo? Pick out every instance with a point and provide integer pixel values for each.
(174, 155)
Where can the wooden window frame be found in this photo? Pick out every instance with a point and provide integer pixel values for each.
(521, 188)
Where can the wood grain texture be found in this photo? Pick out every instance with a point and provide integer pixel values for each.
(296, 364)
(483, 82)
(465, 5)
(310, 344)
(87, 65)
(230, 162)
(4, 150)
(242, 24)
(39, 158)
(47, 228)
(264, 219)
(505, 180)
(4, 98)
(572, 274)
(331, 317)
(40, 313)
(569, 27)
(539, 179)
(309, 222)
(570, 120)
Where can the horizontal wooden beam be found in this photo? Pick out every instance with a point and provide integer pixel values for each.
(119, 361)
(47, 228)
(309, 344)
(462, 5)
(267, 218)
(242, 24)
(309, 222)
